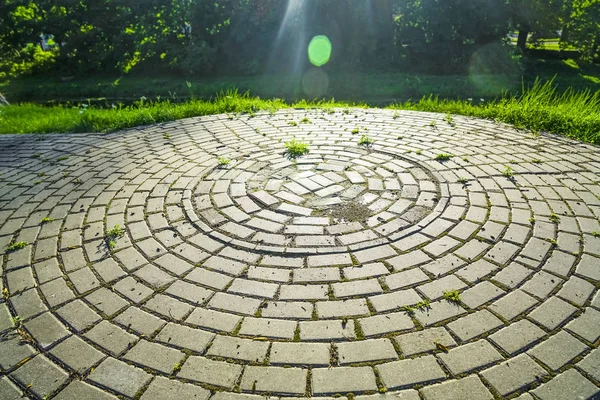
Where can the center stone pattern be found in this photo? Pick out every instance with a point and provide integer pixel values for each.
(331, 199)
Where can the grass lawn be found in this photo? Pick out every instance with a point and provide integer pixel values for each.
(540, 108)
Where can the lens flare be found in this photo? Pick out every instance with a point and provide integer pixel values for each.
(319, 50)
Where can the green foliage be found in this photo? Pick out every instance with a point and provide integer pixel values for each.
(295, 148)
(242, 37)
(16, 246)
(554, 218)
(582, 27)
(453, 31)
(46, 220)
(224, 161)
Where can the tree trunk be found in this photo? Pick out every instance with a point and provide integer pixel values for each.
(564, 35)
(522, 40)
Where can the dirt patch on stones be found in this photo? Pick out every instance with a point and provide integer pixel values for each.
(352, 211)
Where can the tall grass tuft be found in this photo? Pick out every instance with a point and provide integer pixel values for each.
(539, 108)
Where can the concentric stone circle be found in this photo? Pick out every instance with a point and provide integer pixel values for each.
(339, 196)
(315, 276)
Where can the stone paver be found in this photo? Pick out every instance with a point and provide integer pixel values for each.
(569, 384)
(470, 356)
(349, 379)
(204, 370)
(120, 377)
(318, 276)
(466, 388)
(514, 374)
(406, 373)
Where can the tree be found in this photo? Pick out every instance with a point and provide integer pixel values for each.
(534, 15)
(436, 30)
(584, 28)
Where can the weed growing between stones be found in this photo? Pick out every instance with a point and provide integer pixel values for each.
(366, 141)
(422, 305)
(112, 236)
(452, 296)
(449, 119)
(223, 162)
(443, 157)
(16, 246)
(508, 171)
(295, 148)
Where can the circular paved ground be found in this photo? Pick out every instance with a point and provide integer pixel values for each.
(351, 270)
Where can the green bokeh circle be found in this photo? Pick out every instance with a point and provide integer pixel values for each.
(319, 50)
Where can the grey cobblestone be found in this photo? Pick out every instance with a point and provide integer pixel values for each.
(558, 350)
(424, 341)
(275, 380)
(366, 351)
(469, 357)
(469, 387)
(514, 374)
(120, 377)
(410, 372)
(335, 380)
